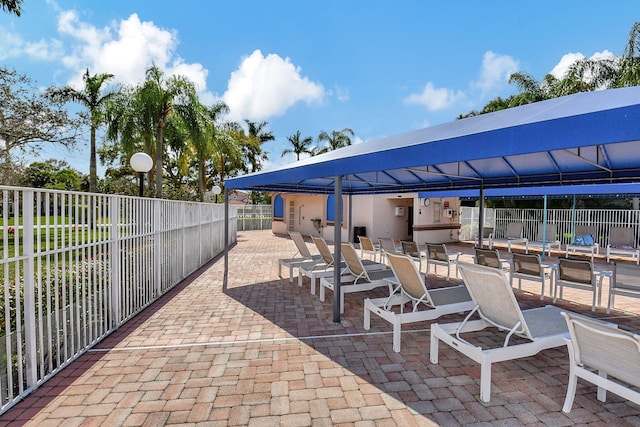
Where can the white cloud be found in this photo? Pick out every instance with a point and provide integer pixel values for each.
(267, 86)
(435, 99)
(569, 58)
(126, 49)
(496, 70)
(14, 46)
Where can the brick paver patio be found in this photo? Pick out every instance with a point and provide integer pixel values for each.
(267, 353)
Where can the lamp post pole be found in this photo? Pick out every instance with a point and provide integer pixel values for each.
(141, 163)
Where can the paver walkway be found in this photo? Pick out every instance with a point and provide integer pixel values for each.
(267, 353)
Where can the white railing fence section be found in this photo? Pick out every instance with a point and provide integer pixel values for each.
(76, 266)
(254, 217)
(497, 220)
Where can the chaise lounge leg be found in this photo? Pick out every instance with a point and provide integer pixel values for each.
(433, 347)
(485, 381)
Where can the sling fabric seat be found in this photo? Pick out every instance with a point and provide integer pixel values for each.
(367, 247)
(357, 278)
(301, 255)
(622, 242)
(387, 246)
(529, 267)
(598, 351)
(579, 274)
(495, 303)
(625, 281)
(490, 258)
(437, 255)
(324, 266)
(411, 249)
(427, 304)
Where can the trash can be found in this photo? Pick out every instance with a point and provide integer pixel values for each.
(358, 231)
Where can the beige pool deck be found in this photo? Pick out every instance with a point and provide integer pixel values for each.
(267, 353)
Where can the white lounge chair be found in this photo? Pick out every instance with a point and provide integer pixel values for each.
(437, 255)
(497, 307)
(490, 258)
(324, 267)
(513, 235)
(546, 239)
(579, 245)
(301, 255)
(428, 304)
(357, 279)
(599, 351)
(530, 267)
(367, 247)
(579, 274)
(411, 249)
(625, 281)
(622, 242)
(387, 246)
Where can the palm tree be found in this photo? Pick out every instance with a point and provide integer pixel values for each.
(11, 6)
(252, 147)
(94, 100)
(337, 139)
(142, 116)
(300, 145)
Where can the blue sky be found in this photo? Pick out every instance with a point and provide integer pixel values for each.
(378, 67)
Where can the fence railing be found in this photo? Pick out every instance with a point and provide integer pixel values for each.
(565, 219)
(76, 266)
(254, 217)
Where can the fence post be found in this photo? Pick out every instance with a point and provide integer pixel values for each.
(114, 255)
(157, 249)
(29, 288)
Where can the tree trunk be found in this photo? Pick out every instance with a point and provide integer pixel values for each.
(158, 162)
(93, 168)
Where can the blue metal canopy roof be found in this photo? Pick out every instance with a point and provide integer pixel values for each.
(587, 137)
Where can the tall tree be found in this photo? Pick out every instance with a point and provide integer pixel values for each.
(28, 119)
(337, 139)
(300, 145)
(142, 115)
(11, 6)
(91, 97)
(252, 146)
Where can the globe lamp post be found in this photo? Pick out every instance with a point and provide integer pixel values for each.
(216, 190)
(141, 163)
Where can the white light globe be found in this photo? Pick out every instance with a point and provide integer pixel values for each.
(141, 162)
(216, 190)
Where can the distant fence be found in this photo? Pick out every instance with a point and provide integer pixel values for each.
(496, 221)
(254, 217)
(76, 266)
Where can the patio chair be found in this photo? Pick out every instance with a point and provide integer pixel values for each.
(546, 238)
(437, 255)
(579, 274)
(530, 267)
(412, 288)
(301, 255)
(357, 278)
(314, 270)
(495, 303)
(622, 242)
(625, 281)
(584, 241)
(367, 247)
(387, 246)
(490, 258)
(411, 249)
(598, 352)
(512, 236)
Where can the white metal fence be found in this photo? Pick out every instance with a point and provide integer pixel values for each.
(254, 217)
(496, 221)
(75, 266)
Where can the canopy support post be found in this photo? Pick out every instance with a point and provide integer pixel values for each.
(481, 218)
(226, 240)
(544, 227)
(337, 252)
